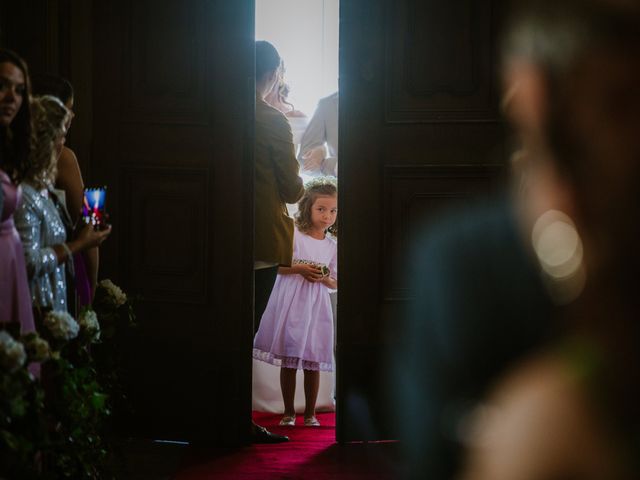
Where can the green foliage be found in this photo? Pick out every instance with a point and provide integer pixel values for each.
(58, 426)
(80, 408)
(23, 431)
(116, 315)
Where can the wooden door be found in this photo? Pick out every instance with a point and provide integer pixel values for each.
(419, 131)
(173, 99)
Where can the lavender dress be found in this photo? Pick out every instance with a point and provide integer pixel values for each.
(15, 298)
(296, 330)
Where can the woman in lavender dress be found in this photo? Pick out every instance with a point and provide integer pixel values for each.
(15, 129)
(15, 301)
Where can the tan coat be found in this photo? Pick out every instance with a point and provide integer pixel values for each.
(276, 184)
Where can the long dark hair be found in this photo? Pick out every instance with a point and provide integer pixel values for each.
(48, 84)
(267, 59)
(15, 139)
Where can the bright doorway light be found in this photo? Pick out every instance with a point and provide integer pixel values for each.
(305, 32)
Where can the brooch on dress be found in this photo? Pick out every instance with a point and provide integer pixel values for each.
(323, 268)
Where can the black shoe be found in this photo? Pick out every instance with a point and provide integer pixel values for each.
(262, 435)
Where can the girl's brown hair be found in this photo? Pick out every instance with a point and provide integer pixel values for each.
(320, 186)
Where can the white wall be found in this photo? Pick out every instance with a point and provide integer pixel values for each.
(305, 32)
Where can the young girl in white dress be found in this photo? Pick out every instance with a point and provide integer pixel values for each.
(296, 330)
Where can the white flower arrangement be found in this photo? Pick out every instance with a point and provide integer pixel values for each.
(88, 321)
(37, 348)
(12, 354)
(114, 293)
(61, 325)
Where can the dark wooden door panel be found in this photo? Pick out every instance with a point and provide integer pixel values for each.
(438, 62)
(171, 140)
(420, 133)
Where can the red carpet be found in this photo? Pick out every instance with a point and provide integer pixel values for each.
(310, 454)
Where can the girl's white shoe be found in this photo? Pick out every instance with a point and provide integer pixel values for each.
(288, 421)
(311, 422)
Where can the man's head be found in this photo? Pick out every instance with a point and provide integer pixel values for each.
(573, 71)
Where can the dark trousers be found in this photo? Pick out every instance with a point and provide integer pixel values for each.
(264, 279)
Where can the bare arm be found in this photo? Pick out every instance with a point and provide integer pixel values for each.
(330, 282)
(42, 259)
(87, 239)
(288, 270)
(69, 179)
(309, 272)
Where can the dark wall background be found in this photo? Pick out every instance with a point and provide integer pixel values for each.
(54, 36)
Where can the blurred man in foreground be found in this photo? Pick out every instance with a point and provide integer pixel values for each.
(490, 283)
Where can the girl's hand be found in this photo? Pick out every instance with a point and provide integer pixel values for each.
(309, 272)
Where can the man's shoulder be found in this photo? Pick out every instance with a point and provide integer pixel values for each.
(482, 226)
(475, 263)
(328, 101)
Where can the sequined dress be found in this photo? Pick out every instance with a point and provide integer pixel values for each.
(15, 300)
(40, 228)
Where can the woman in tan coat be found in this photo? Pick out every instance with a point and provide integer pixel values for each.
(276, 184)
(276, 180)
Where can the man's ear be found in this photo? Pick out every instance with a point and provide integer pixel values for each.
(525, 100)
